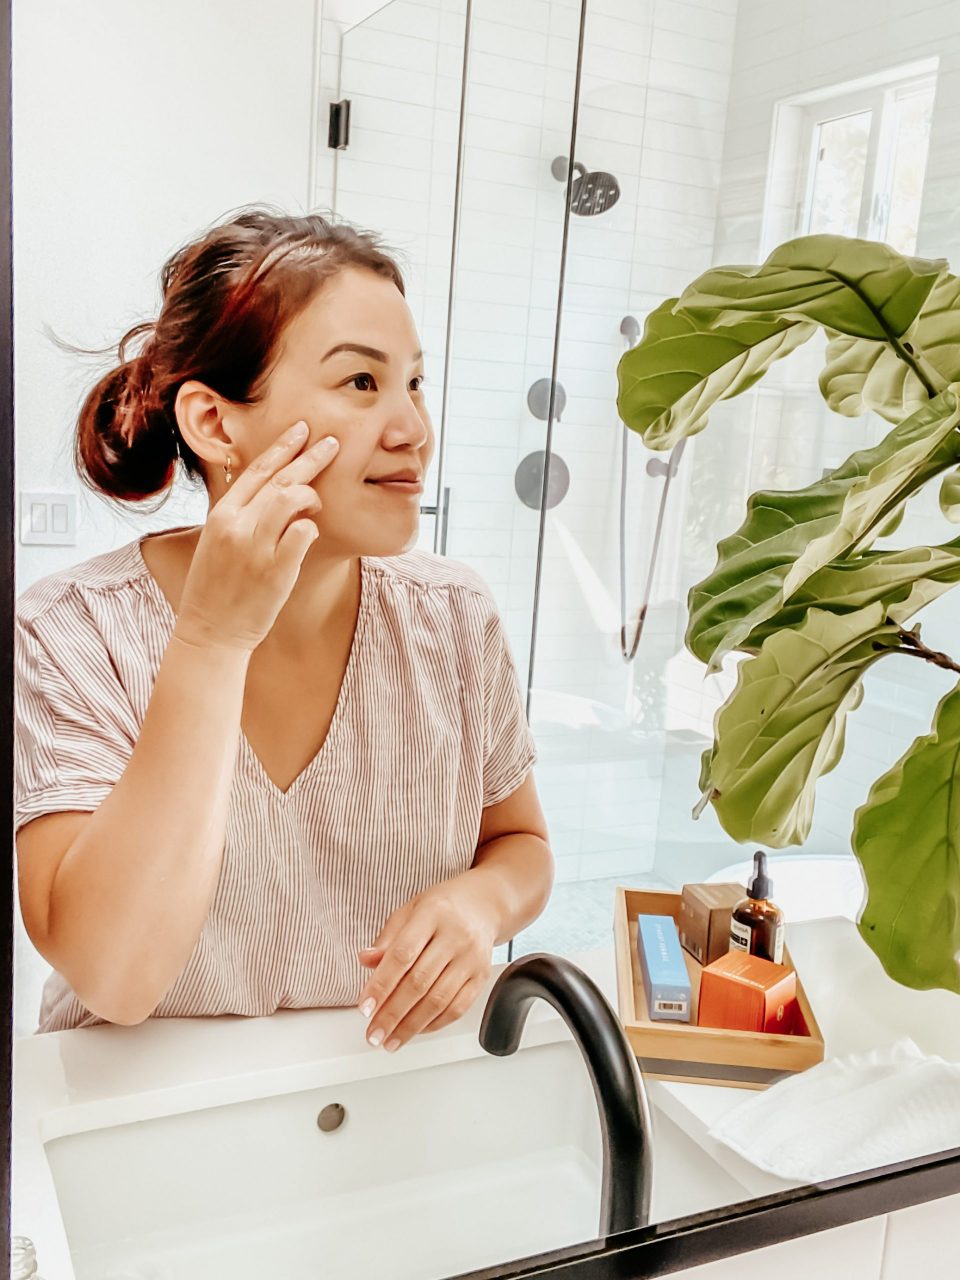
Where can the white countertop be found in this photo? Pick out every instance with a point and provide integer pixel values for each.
(72, 1081)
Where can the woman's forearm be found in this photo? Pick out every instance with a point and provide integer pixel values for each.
(512, 876)
(132, 892)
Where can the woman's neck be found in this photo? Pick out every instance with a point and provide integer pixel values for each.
(325, 597)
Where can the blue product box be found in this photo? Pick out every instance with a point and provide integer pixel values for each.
(665, 978)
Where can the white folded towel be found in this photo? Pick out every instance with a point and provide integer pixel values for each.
(848, 1115)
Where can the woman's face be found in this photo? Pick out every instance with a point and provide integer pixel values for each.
(350, 366)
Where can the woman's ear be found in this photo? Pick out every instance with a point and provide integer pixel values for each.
(199, 413)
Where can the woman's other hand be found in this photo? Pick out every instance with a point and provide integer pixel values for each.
(434, 955)
(433, 958)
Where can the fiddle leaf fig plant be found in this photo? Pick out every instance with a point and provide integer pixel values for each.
(799, 591)
(788, 536)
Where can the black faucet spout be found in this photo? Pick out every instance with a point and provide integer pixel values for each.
(617, 1084)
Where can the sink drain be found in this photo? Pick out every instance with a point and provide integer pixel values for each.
(331, 1117)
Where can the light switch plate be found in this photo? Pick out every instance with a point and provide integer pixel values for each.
(48, 518)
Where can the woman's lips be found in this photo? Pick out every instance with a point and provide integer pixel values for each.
(410, 488)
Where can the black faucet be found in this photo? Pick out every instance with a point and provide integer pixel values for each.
(624, 1111)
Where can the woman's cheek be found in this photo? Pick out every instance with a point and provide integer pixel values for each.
(330, 414)
(349, 465)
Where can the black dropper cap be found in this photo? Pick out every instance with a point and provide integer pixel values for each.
(760, 886)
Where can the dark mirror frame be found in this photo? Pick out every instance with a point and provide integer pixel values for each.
(8, 535)
(651, 1251)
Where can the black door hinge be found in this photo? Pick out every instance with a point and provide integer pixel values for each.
(338, 134)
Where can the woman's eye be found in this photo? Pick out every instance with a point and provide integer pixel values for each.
(365, 382)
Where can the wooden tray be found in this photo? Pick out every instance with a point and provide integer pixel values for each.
(683, 1051)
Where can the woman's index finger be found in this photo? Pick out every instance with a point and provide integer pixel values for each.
(267, 463)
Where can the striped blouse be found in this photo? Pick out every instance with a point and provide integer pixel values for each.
(428, 730)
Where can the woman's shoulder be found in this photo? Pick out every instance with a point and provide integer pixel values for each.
(108, 575)
(422, 572)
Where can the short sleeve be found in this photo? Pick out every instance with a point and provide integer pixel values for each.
(71, 744)
(509, 748)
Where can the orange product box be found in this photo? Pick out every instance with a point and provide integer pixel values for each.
(747, 993)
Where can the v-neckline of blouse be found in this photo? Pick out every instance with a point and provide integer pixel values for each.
(349, 675)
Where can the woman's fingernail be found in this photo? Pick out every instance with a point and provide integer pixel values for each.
(328, 442)
(368, 1007)
(376, 1037)
(391, 1045)
(299, 429)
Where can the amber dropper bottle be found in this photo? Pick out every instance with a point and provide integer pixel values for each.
(756, 923)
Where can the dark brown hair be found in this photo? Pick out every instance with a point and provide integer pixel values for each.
(226, 299)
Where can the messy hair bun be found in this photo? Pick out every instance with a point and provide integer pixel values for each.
(127, 445)
(227, 297)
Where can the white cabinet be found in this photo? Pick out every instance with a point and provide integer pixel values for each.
(923, 1240)
(854, 1252)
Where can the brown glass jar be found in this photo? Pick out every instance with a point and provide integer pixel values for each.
(756, 923)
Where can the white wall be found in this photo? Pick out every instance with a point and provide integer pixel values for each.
(135, 126)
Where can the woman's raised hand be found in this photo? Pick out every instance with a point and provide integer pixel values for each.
(252, 547)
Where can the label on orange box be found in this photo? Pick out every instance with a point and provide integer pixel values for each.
(741, 992)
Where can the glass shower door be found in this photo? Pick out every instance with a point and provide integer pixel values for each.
(608, 594)
(519, 95)
(481, 229)
(401, 71)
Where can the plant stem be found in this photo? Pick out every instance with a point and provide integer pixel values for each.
(923, 363)
(914, 364)
(898, 347)
(915, 648)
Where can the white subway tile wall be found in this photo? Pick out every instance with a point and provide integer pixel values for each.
(600, 723)
(677, 101)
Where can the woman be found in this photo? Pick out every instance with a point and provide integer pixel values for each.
(276, 760)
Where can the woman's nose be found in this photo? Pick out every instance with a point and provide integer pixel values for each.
(407, 425)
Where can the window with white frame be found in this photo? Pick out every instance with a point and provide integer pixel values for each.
(850, 160)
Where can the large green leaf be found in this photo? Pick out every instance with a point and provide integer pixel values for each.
(858, 287)
(860, 375)
(903, 580)
(679, 370)
(783, 726)
(950, 496)
(935, 335)
(907, 837)
(790, 535)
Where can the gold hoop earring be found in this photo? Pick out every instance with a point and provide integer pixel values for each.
(226, 469)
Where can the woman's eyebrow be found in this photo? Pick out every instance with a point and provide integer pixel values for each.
(371, 352)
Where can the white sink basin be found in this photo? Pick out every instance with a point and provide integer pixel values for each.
(190, 1149)
(431, 1172)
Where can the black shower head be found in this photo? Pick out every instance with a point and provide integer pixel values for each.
(590, 192)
